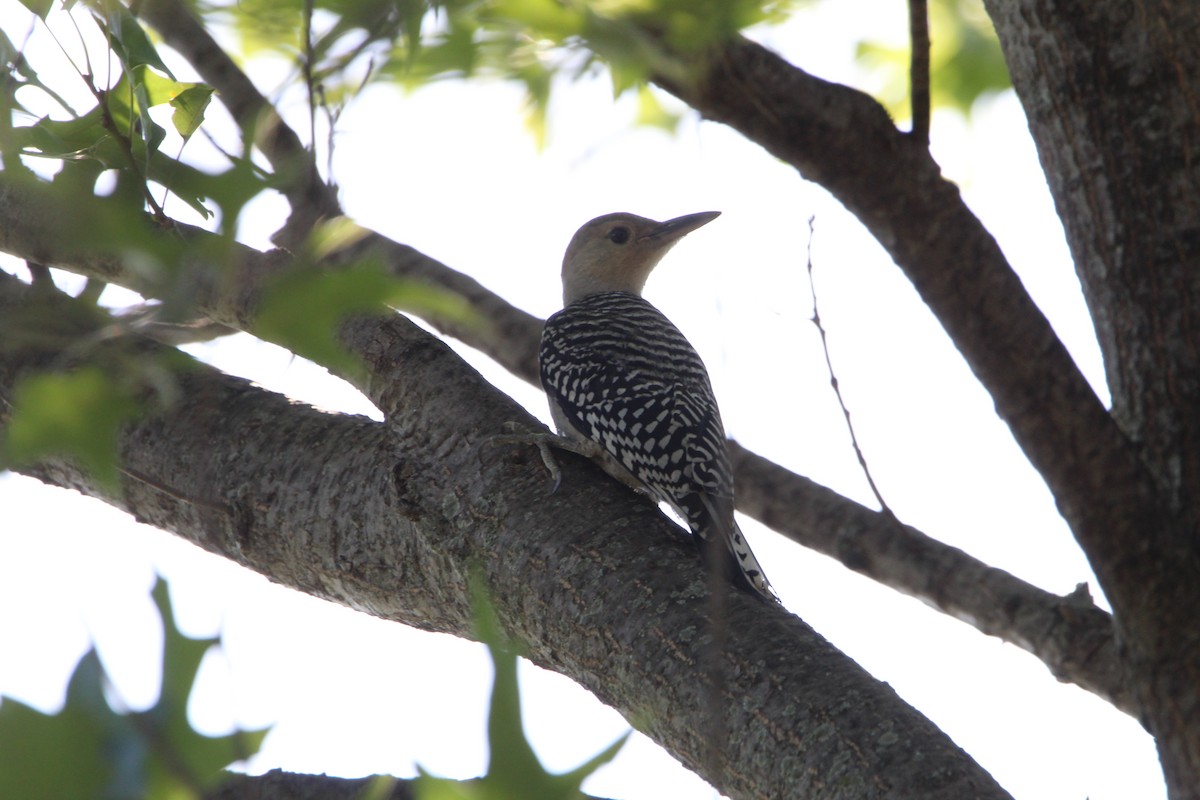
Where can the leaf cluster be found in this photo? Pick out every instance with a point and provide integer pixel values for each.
(119, 133)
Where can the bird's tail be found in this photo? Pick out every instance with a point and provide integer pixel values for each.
(749, 572)
(724, 548)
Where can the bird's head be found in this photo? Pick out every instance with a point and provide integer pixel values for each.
(616, 252)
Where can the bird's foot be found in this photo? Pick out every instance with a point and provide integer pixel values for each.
(542, 440)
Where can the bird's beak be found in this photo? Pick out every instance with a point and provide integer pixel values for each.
(675, 229)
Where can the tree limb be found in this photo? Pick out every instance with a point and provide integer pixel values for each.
(280, 785)
(31, 226)
(594, 582)
(1069, 634)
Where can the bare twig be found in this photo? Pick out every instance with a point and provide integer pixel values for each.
(833, 381)
(306, 67)
(918, 71)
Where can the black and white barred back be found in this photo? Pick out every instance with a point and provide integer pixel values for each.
(622, 375)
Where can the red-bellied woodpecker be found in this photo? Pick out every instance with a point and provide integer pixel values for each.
(628, 390)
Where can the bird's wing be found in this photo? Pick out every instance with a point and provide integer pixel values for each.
(625, 377)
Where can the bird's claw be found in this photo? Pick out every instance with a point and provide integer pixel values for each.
(543, 442)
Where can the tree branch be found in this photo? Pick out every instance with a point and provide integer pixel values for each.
(280, 785)
(594, 582)
(918, 69)
(32, 226)
(1069, 634)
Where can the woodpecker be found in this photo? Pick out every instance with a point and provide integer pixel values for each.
(628, 390)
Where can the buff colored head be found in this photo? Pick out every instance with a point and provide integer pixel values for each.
(616, 252)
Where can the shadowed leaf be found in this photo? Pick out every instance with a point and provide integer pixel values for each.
(90, 750)
(75, 414)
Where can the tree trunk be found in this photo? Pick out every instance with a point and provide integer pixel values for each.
(1112, 92)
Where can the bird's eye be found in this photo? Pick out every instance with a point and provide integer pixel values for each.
(619, 234)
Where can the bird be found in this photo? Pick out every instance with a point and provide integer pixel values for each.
(629, 391)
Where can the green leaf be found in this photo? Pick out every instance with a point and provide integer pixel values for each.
(64, 754)
(513, 768)
(547, 19)
(75, 414)
(87, 136)
(267, 25)
(651, 112)
(189, 106)
(185, 758)
(129, 41)
(512, 762)
(537, 80)
(231, 190)
(188, 99)
(303, 310)
(39, 7)
(65, 139)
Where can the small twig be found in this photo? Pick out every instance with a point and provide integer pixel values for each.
(40, 276)
(833, 381)
(307, 67)
(918, 72)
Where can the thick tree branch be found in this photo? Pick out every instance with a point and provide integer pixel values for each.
(31, 228)
(594, 582)
(280, 785)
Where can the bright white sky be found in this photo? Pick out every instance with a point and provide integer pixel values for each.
(451, 171)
